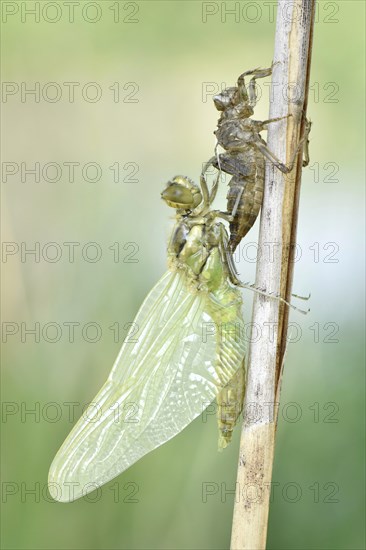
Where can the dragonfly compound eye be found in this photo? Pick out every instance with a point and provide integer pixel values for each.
(182, 193)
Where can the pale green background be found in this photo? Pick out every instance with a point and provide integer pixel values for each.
(170, 53)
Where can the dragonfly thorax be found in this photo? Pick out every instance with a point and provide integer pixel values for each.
(195, 248)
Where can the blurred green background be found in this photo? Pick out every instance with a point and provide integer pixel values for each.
(163, 58)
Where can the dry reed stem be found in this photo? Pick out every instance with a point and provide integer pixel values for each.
(277, 238)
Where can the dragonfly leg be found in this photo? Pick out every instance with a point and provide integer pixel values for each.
(217, 156)
(264, 123)
(227, 216)
(274, 296)
(233, 274)
(306, 158)
(223, 215)
(209, 196)
(301, 297)
(215, 186)
(257, 73)
(227, 256)
(262, 147)
(204, 188)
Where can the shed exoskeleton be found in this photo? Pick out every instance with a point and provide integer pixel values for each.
(245, 152)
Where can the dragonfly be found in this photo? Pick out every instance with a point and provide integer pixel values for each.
(190, 351)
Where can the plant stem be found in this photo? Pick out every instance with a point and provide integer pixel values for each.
(277, 239)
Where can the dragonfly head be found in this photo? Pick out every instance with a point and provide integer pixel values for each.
(230, 98)
(226, 99)
(182, 193)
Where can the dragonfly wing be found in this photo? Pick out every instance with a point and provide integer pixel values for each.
(157, 386)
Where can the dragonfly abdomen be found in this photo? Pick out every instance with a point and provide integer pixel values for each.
(230, 405)
(244, 198)
(246, 194)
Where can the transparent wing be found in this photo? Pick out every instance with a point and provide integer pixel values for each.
(158, 385)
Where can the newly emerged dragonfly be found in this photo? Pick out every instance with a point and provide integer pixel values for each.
(190, 350)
